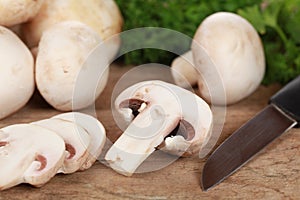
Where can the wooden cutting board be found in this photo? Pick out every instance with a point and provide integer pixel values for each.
(273, 174)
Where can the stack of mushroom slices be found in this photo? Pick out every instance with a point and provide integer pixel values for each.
(33, 153)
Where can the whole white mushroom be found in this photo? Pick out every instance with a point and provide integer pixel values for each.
(229, 44)
(103, 16)
(16, 73)
(62, 66)
(227, 60)
(18, 11)
(184, 73)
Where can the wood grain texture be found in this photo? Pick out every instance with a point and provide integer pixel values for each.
(273, 174)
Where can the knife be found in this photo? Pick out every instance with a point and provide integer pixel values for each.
(281, 114)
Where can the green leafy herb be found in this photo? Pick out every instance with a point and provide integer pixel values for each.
(277, 21)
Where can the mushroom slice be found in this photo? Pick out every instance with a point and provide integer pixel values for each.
(156, 110)
(29, 154)
(95, 130)
(77, 141)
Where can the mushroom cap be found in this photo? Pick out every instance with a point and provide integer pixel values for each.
(165, 106)
(29, 154)
(95, 130)
(183, 71)
(76, 139)
(62, 55)
(18, 11)
(235, 49)
(195, 113)
(16, 73)
(102, 15)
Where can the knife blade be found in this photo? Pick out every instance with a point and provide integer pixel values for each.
(281, 114)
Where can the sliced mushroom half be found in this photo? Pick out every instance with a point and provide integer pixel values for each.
(160, 115)
(95, 130)
(77, 141)
(29, 154)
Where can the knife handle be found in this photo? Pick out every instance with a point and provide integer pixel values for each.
(288, 99)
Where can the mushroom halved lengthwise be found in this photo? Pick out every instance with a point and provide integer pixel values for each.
(160, 115)
(95, 130)
(76, 139)
(29, 154)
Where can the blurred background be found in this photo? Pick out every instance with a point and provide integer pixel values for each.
(277, 22)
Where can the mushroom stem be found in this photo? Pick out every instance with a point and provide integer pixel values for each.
(140, 139)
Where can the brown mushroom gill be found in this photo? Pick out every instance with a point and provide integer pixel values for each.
(184, 128)
(71, 150)
(2, 144)
(133, 104)
(42, 160)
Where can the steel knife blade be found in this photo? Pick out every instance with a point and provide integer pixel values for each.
(281, 114)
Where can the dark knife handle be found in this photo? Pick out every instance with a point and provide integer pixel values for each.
(288, 99)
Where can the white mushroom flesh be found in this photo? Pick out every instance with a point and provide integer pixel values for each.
(29, 154)
(76, 139)
(95, 130)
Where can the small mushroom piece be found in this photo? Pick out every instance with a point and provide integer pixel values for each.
(157, 109)
(18, 11)
(230, 45)
(29, 154)
(16, 73)
(95, 130)
(76, 139)
(103, 16)
(62, 55)
(184, 73)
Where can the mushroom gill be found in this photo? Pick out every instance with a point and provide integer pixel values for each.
(184, 128)
(133, 104)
